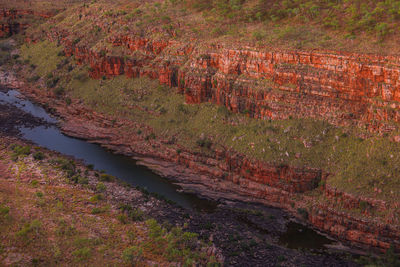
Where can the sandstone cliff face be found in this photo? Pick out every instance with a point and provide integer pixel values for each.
(345, 89)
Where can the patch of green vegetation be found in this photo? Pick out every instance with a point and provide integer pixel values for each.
(178, 245)
(101, 187)
(82, 254)
(20, 151)
(378, 17)
(29, 228)
(65, 229)
(133, 255)
(133, 214)
(106, 177)
(96, 198)
(303, 213)
(44, 55)
(4, 212)
(99, 210)
(38, 155)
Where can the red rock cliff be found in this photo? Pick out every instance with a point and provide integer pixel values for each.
(342, 88)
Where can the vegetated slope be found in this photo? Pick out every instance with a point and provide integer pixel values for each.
(54, 212)
(349, 26)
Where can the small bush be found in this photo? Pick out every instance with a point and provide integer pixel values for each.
(96, 198)
(133, 214)
(133, 255)
(151, 136)
(204, 142)
(38, 155)
(59, 91)
(76, 41)
(28, 228)
(83, 180)
(82, 254)
(122, 218)
(98, 210)
(65, 229)
(106, 178)
(20, 151)
(34, 78)
(51, 83)
(101, 187)
(4, 212)
(303, 212)
(34, 183)
(258, 35)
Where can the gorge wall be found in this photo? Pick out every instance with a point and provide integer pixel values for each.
(344, 89)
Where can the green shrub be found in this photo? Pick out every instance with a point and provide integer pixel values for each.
(59, 91)
(96, 198)
(258, 35)
(150, 136)
(52, 82)
(20, 151)
(83, 180)
(106, 178)
(382, 29)
(34, 78)
(33, 227)
(38, 155)
(4, 211)
(65, 229)
(133, 214)
(34, 183)
(204, 142)
(101, 187)
(303, 212)
(133, 255)
(122, 218)
(98, 210)
(82, 254)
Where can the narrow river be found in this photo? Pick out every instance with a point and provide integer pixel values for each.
(119, 166)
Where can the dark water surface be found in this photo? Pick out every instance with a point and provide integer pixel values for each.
(126, 169)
